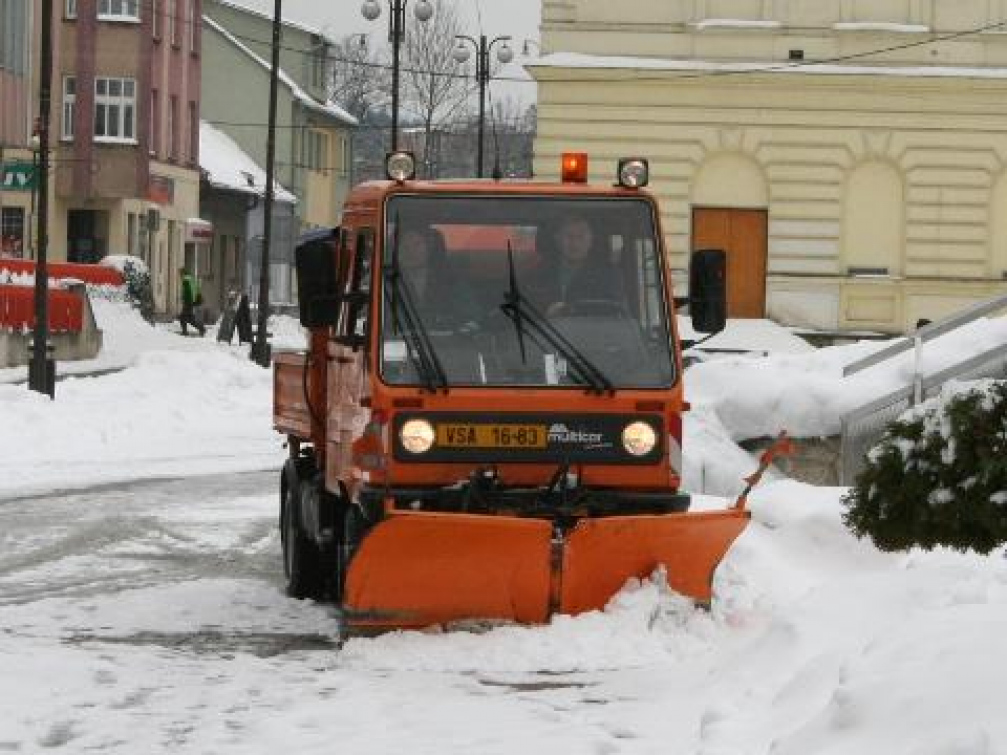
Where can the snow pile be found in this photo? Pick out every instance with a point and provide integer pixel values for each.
(646, 623)
(176, 411)
(807, 395)
(287, 333)
(122, 262)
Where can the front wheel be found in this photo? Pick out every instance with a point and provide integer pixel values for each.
(302, 561)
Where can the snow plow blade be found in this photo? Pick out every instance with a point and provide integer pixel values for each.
(601, 554)
(418, 569)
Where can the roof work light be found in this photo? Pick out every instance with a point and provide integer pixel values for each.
(400, 166)
(634, 172)
(575, 167)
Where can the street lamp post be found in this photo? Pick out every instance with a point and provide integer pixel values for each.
(423, 11)
(483, 49)
(41, 373)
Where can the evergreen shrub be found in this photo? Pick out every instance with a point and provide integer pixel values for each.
(939, 475)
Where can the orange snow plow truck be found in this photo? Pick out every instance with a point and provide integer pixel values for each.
(487, 420)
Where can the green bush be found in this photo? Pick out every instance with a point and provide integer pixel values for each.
(939, 475)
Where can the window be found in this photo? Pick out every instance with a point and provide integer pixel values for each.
(315, 150)
(69, 106)
(70, 9)
(193, 28)
(173, 21)
(14, 36)
(193, 132)
(131, 239)
(115, 109)
(354, 323)
(155, 121)
(119, 10)
(155, 19)
(173, 128)
(12, 232)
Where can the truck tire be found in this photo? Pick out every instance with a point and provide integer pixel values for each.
(302, 562)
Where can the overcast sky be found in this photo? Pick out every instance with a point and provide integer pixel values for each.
(517, 18)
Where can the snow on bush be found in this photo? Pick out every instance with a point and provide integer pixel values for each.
(939, 475)
(137, 291)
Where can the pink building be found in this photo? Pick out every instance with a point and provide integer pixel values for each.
(126, 99)
(18, 19)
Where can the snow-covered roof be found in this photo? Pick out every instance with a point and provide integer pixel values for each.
(745, 23)
(578, 60)
(326, 108)
(264, 9)
(734, 23)
(228, 167)
(881, 26)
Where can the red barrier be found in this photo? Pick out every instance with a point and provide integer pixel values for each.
(17, 310)
(96, 275)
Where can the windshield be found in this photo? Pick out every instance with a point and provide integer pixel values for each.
(532, 291)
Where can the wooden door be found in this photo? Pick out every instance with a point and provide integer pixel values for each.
(743, 235)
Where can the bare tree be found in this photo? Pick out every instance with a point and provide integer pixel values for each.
(358, 76)
(359, 82)
(436, 87)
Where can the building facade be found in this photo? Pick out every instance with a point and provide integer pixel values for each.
(231, 198)
(18, 93)
(850, 155)
(127, 99)
(312, 141)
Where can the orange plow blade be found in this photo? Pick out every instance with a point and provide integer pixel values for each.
(601, 554)
(418, 569)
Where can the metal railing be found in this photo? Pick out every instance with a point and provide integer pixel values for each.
(864, 427)
(928, 333)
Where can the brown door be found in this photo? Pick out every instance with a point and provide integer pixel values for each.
(742, 235)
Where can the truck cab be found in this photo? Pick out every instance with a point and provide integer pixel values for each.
(487, 420)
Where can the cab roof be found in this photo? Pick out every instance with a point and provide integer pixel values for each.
(369, 196)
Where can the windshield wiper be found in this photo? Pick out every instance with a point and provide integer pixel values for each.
(521, 312)
(407, 320)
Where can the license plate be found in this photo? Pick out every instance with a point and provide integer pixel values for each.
(463, 435)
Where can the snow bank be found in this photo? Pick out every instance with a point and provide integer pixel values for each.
(807, 395)
(169, 413)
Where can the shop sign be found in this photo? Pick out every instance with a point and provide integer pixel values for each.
(17, 176)
(198, 231)
(161, 189)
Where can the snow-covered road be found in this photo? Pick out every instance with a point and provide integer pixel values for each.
(149, 617)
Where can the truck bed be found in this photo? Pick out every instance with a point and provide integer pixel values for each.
(291, 415)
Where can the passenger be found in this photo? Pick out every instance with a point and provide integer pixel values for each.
(577, 270)
(441, 298)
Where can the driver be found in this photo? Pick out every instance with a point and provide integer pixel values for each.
(578, 270)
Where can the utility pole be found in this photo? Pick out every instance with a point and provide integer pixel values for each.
(260, 351)
(41, 370)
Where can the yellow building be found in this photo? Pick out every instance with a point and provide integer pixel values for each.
(850, 155)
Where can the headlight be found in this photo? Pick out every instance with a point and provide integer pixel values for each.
(639, 438)
(417, 436)
(400, 166)
(634, 172)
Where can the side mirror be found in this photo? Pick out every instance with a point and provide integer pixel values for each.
(708, 290)
(317, 298)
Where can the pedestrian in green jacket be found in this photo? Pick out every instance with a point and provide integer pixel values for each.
(191, 298)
